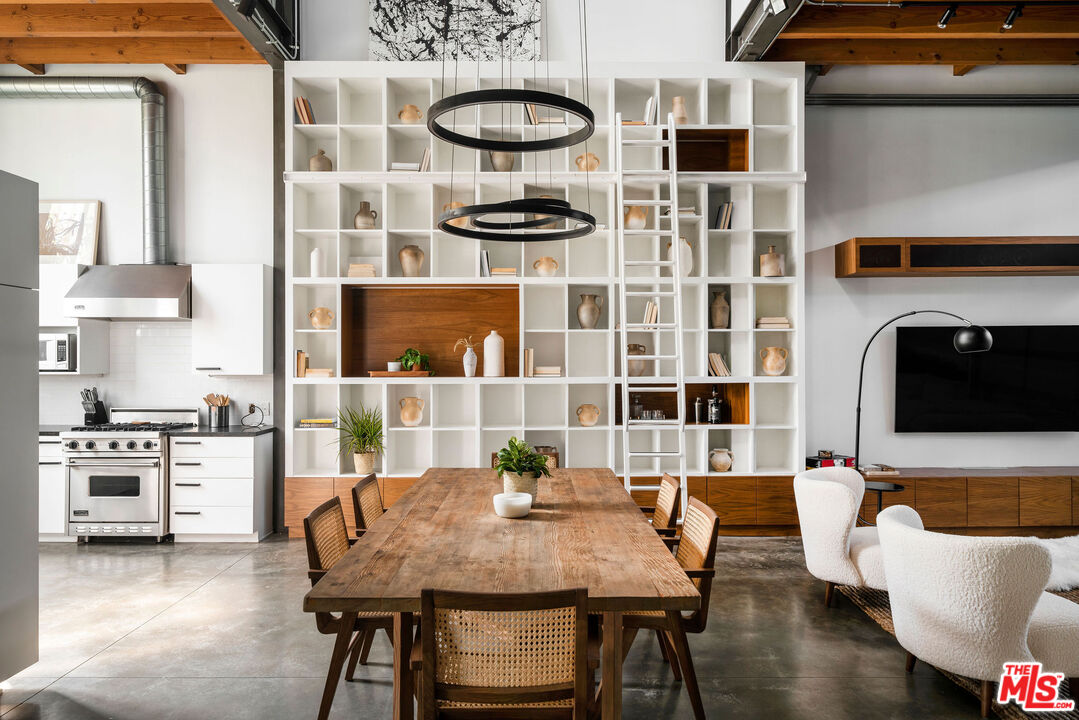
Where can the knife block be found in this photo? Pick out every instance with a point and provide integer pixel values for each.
(98, 417)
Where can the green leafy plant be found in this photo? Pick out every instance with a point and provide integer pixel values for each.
(359, 431)
(413, 359)
(517, 457)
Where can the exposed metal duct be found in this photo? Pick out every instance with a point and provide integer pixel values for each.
(155, 204)
(941, 100)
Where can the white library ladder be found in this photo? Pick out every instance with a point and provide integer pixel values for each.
(647, 440)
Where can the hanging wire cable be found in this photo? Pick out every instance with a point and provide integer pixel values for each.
(582, 25)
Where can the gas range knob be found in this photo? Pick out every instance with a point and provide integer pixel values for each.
(73, 444)
(90, 445)
(131, 444)
(114, 445)
(149, 444)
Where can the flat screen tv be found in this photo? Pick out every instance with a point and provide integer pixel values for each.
(1027, 382)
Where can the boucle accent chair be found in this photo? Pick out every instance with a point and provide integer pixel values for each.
(836, 551)
(968, 605)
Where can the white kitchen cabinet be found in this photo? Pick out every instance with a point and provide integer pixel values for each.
(232, 319)
(221, 488)
(52, 491)
(56, 280)
(91, 336)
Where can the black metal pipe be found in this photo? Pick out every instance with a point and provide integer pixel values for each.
(941, 100)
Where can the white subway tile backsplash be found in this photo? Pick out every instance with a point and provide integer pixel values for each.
(150, 366)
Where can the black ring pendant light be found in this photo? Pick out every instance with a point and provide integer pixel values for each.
(544, 211)
(509, 96)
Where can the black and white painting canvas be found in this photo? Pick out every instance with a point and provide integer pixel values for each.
(466, 29)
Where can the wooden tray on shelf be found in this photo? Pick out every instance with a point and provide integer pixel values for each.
(398, 373)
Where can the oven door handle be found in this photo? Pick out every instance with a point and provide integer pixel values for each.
(107, 465)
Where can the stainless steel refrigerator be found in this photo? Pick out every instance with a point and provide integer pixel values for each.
(18, 424)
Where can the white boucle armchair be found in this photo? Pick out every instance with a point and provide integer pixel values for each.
(836, 551)
(967, 605)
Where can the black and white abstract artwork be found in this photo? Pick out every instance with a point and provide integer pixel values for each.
(463, 29)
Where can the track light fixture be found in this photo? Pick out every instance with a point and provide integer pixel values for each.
(948, 15)
(1015, 13)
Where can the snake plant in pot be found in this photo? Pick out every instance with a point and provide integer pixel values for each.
(520, 468)
(360, 434)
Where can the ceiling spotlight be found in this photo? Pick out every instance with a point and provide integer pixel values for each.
(1016, 13)
(948, 15)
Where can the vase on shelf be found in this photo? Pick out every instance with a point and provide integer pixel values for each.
(319, 162)
(540, 216)
(678, 109)
(502, 161)
(721, 459)
(494, 351)
(587, 162)
(409, 114)
(720, 310)
(470, 362)
(636, 367)
(545, 266)
(685, 257)
(635, 218)
(460, 222)
(316, 262)
(774, 360)
(321, 318)
(588, 415)
(589, 310)
(364, 219)
(772, 263)
(411, 411)
(411, 259)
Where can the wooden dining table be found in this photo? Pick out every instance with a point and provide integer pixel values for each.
(584, 531)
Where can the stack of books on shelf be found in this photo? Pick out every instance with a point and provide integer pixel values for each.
(361, 270)
(547, 371)
(319, 372)
(328, 423)
(651, 108)
(301, 363)
(723, 216)
(422, 166)
(504, 272)
(717, 367)
(684, 211)
(651, 313)
(530, 362)
(304, 114)
(773, 323)
(534, 118)
(878, 470)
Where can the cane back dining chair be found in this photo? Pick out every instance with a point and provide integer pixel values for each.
(367, 503)
(665, 512)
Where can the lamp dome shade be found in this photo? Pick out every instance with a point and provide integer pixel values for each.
(972, 339)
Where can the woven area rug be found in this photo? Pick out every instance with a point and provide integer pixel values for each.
(874, 603)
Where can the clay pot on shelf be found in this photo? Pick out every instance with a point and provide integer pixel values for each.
(773, 263)
(589, 310)
(411, 411)
(319, 162)
(774, 360)
(494, 355)
(502, 161)
(460, 222)
(678, 108)
(321, 318)
(685, 258)
(411, 258)
(588, 415)
(721, 459)
(364, 463)
(636, 367)
(635, 218)
(588, 162)
(364, 219)
(720, 310)
(545, 266)
(409, 114)
(540, 216)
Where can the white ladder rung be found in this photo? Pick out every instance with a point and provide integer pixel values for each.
(656, 389)
(656, 175)
(653, 424)
(647, 203)
(649, 379)
(655, 453)
(647, 143)
(651, 326)
(644, 488)
(649, 263)
(653, 357)
(650, 233)
(650, 293)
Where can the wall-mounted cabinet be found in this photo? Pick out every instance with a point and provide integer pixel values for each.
(232, 319)
(91, 336)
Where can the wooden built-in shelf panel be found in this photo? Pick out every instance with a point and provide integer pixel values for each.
(944, 256)
(710, 150)
(733, 411)
(378, 322)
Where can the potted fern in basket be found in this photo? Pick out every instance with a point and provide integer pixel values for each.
(360, 434)
(520, 468)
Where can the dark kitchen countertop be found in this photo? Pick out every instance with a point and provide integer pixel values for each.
(52, 429)
(200, 431)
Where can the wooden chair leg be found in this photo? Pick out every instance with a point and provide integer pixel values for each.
(628, 636)
(662, 647)
(689, 675)
(987, 697)
(829, 590)
(911, 660)
(337, 661)
(669, 645)
(354, 654)
(368, 641)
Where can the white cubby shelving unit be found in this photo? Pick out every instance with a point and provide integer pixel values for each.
(465, 419)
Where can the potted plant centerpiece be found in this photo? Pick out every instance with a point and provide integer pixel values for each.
(520, 468)
(360, 433)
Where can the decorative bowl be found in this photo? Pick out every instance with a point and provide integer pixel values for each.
(512, 505)
(393, 366)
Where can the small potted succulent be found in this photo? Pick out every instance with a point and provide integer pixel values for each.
(413, 359)
(470, 360)
(360, 434)
(520, 468)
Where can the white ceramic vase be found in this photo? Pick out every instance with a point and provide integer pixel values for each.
(494, 355)
(685, 258)
(470, 361)
(316, 263)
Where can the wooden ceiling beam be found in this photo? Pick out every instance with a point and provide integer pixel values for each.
(179, 69)
(112, 20)
(961, 70)
(917, 23)
(944, 51)
(172, 51)
(33, 69)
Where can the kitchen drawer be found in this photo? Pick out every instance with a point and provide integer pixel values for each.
(197, 520)
(191, 467)
(52, 499)
(213, 492)
(211, 447)
(49, 448)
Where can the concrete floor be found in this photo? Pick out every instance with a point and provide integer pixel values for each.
(215, 631)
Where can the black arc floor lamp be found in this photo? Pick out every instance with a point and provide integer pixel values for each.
(968, 339)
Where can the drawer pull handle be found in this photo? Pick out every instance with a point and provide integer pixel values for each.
(187, 512)
(50, 462)
(189, 464)
(48, 442)
(188, 484)
(207, 368)
(189, 442)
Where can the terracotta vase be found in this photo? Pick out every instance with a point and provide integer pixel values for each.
(588, 415)
(364, 463)
(636, 367)
(721, 459)
(588, 162)
(589, 311)
(540, 216)
(774, 360)
(321, 318)
(319, 162)
(678, 108)
(494, 355)
(460, 222)
(502, 161)
(772, 263)
(685, 258)
(411, 411)
(364, 219)
(720, 310)
(409, 114)
(545, 266)
(411, 258)
(635, 218)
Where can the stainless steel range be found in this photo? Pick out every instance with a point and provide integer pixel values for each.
(117, 473)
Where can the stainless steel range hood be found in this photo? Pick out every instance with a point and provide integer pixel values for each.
(131, 292)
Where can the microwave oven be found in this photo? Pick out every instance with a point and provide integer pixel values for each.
(56, 352)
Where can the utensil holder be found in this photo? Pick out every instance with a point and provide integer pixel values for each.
(219, 417)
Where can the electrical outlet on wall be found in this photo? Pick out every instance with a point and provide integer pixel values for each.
(264, 406)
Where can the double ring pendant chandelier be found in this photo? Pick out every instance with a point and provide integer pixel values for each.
(495, 221)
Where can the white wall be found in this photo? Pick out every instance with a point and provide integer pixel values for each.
(929, 171)
(220, 126)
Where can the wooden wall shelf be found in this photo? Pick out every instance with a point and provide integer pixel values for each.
(711, 150)
(947, 256)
